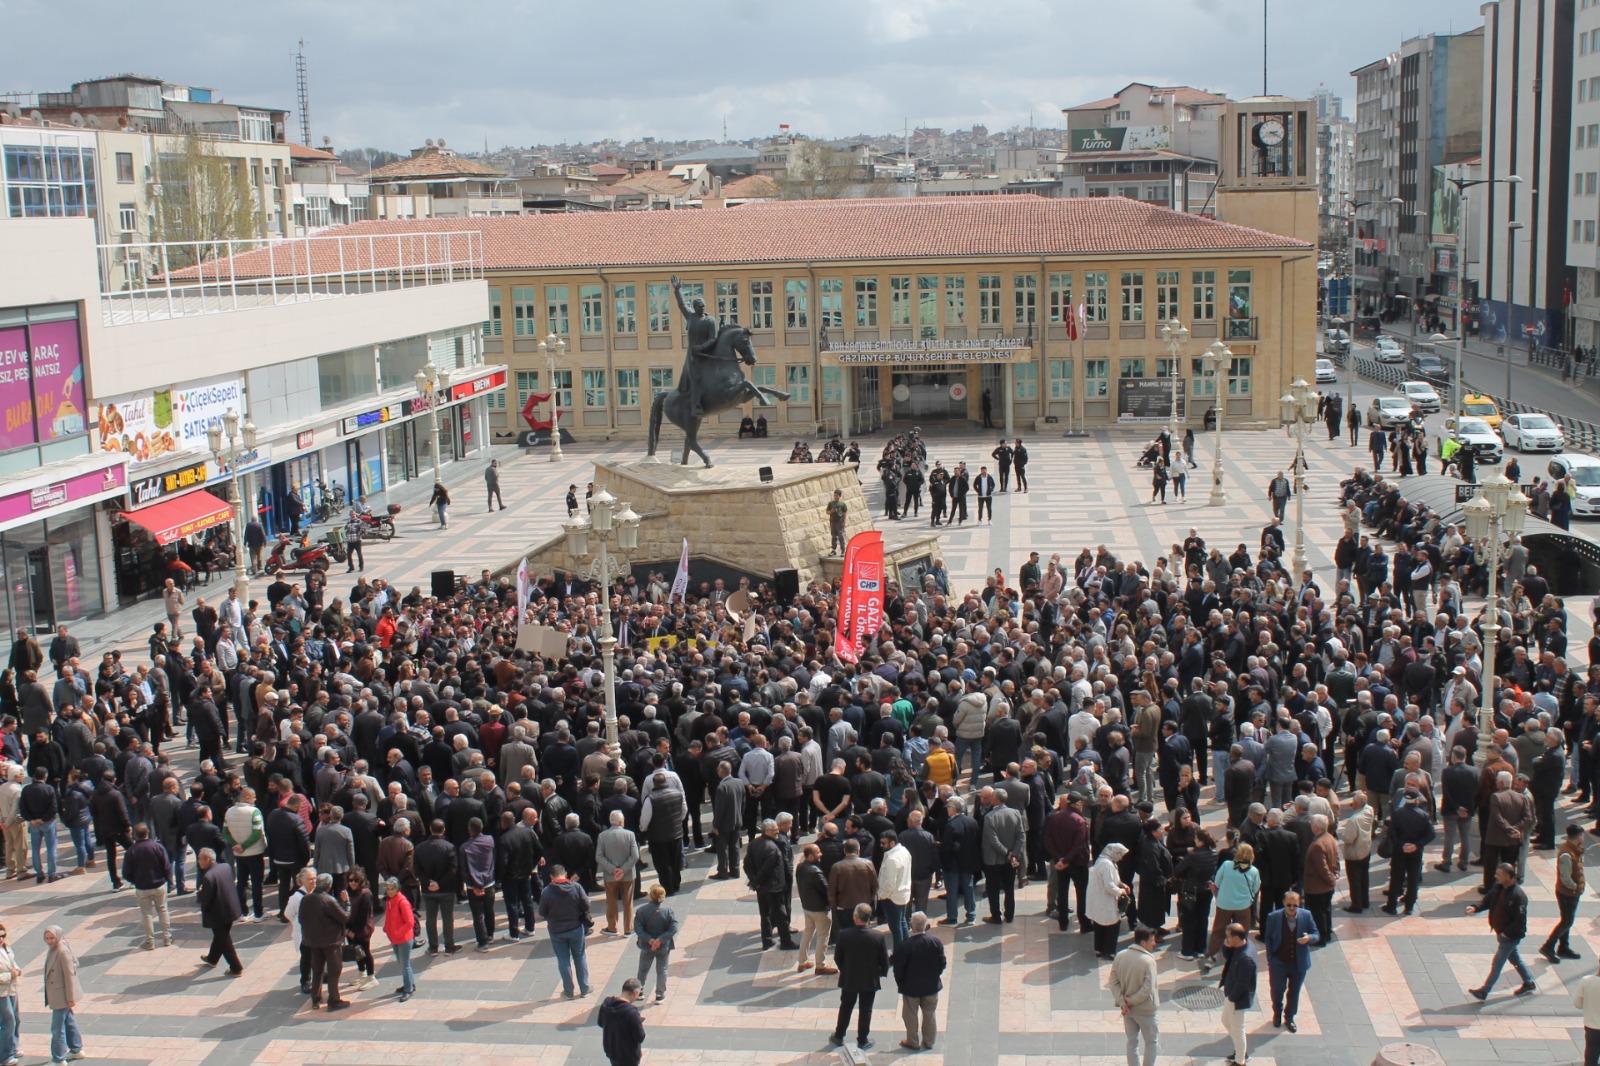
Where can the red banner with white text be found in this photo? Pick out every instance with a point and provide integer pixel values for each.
(861, 596)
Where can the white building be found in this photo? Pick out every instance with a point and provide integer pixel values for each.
(1583, 196)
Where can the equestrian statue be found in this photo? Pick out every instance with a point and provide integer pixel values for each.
(712, 380)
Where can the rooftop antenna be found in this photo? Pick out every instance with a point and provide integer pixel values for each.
(1263, 47)
(724, 127)
(304, 93)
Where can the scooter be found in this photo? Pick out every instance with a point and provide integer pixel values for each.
(286, 555)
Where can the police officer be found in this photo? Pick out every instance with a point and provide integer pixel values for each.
(1002, 458)
(938, 487)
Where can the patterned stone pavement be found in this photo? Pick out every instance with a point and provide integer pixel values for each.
(1021, 995)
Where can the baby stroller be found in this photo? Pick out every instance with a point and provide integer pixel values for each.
(1151, 454)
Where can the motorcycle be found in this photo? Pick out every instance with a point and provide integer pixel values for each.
(286, 555)
(379, 526)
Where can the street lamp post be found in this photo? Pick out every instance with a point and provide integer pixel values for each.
(1498, 510)
(1216, 357)
(428, 381)
(551, 349)
(229, 442)
(1511, 297)
(1176, 334)
(1298, 409)
(608, 519)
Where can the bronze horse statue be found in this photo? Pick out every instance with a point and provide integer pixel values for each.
(720, 384)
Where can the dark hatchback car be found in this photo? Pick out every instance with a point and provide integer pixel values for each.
(1428, 365)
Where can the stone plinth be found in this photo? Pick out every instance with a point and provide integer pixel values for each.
(729, 515)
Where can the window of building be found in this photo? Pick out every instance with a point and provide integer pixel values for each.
(1061, 379)
(833, 384)
(592, 309)
(796, 303)
(1025, 299)
(728, 301)
(900, 301)
(523, 299)
(527, 385)
(660, 379)
(627, 388)
(866, 304)
(319, 212)
(492, 328)
(1167, 283)
(1203, 384)
(358, 208)
(1205, 295)
(562, 379)
(1239, 313)
(799, 378)
(255, 126)
(1130, 368)
(1581, 135)
(830, 300)
(625, 304)
(1097, 297)
(928, 306)
(1060, 297)
(955, 300)
(1133, 296)
(1096, 378)
(1025, 381)
(1577, 229)
(124, 168)
(761, 305)
(1591, 183)
(1239, 376)
(555, 309)
(594, 388)
(764, 375)
(127, 218)
(1123, 116)
(1588, 231)
(988, 299)
(658, 304)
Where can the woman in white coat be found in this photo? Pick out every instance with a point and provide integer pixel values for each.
(1106, 891)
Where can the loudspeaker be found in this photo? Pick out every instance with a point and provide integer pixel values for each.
(786, 583)
(766, 473)
(444, 584)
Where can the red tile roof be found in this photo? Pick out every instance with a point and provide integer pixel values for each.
(430, 163)
(300, 151)
(817, 231)
(1183, 94)
(751, 187)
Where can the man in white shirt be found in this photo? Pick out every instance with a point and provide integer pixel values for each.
(894, 887)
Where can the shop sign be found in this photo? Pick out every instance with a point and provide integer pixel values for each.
(1148, 399)
(368, 419)
(305, 438)
(149, 489)
(255, 459)
(82, 487)
(168, 422)
(1121, 138)
(41, 383)
(998, 350)
(488, 383)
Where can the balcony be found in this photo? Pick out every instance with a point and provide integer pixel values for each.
(162, 281)
(1241, 329)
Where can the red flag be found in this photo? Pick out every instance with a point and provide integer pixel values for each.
(861, 598)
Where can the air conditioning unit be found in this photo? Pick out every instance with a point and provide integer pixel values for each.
(155, 189)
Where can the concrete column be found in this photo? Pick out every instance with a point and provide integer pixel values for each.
(846, 400)
(1007, 383)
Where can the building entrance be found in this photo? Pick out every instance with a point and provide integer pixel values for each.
(930, 395)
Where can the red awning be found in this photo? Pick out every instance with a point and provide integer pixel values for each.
(180, 516)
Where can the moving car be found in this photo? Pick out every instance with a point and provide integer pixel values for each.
(1389, 411)
(1480, 406)
(1335, 341)
(1475, 433)
(1420, 394)
(1326, 372)
(1584, 470)
(1388, 350)
(1428, 365)
(1532, 432)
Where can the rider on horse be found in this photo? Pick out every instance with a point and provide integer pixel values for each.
(702, 329)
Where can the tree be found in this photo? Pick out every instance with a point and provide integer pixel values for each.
(205, 197)
(368, 159)
(819, 171)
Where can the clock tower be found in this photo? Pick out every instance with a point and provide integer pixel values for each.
(1268, 175)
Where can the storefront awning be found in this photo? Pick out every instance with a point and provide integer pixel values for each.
(178, 517)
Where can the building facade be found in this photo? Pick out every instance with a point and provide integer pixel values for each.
(1583, 196)
(1149, 142)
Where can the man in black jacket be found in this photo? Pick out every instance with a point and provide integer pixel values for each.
(961, 856)
(436, 865)
(812, 882)
(322, 927)
(1410, 832)
(862, 954)
(1238, 987)
(38, 806)
(766, 868)
(288, 846)
(219, 909)
(918, 963)
(519, 855)
(1507, 905)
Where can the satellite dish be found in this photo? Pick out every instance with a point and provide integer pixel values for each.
(94, 122)
(76, 119)
(14, 110)
(327, 142)
(440, 142)
(428, 143)
(35, 115)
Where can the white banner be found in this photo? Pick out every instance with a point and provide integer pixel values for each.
(680, 583)
(171, 421)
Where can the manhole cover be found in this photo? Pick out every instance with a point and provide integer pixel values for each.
(1198, 997)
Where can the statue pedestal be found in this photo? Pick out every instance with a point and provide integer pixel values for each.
(736, 521)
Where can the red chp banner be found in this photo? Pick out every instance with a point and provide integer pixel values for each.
(861, 596)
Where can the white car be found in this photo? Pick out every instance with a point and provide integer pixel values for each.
(1388, 350)
(1532, 432)
(1327, 373)
(1584, 470)
(1420, 395)
(1387, 411)
(1476, 434)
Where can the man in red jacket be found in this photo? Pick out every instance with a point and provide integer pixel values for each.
(1066, 842)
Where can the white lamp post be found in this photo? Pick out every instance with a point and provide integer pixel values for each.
(1298, 410)
(1217, 356)
(427, 381)
(551, 349)
(229, 442)
(1499, 510)
(1176, 334)
(608, 519)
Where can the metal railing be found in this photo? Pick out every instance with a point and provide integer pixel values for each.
(157, 281)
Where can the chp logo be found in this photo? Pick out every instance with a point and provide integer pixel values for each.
(869, 577)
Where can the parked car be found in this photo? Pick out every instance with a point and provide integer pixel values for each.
(1388, 350)
(1584, 470)
(1335, 341)
(1475, 433)
(1429, 365)
(1389, 411)
(1480, 406)
(1532, 432)
(1327, 373)
(1421, 395)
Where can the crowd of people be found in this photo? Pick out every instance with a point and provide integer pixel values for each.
(1199, 747)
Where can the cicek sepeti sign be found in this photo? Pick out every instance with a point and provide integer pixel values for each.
(998, 350)
(169, 422)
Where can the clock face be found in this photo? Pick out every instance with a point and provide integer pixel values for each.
(1269, 132)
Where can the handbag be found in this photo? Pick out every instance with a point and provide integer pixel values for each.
(1386, 844)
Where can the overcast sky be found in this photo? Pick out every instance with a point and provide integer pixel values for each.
(521, 72)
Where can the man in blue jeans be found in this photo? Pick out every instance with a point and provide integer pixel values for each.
(38, 806)
(961, 855)
(564, 906)
(1507, 905)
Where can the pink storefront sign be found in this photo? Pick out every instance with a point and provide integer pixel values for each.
(42, 498)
